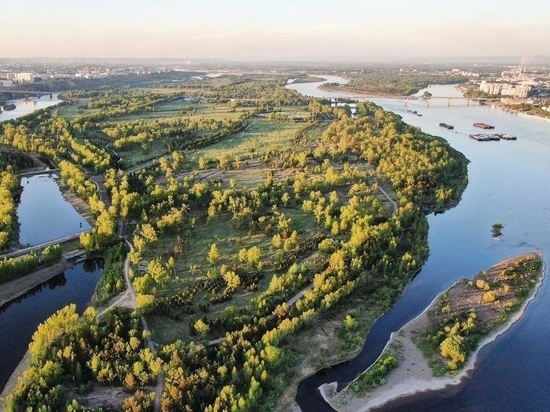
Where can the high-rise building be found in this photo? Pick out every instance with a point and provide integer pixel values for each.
(24, 77)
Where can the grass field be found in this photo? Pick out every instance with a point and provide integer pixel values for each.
(261, 135)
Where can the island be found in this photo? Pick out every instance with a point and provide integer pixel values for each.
(439, 347)
(256, 219)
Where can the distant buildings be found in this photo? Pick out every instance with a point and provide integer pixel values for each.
(505, 89)
(23, 78)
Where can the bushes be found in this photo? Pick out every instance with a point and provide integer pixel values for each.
(12, 268)
(375, 375)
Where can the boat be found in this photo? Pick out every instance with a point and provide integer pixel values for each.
(483, 125)
(446, 126)
(505, 136)
(484, 137)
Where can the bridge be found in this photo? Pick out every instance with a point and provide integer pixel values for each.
(29, 249)
(449, 99)
(39, 172)
(26, 93)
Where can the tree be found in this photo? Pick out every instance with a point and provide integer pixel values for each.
(213, 254)
(201, 327)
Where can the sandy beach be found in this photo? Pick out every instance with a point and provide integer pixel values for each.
(413, 374)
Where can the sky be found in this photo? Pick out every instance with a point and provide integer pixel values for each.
(264, 30)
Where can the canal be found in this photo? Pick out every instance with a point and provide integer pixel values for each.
(43, 215)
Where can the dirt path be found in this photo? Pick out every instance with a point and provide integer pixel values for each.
(127, 299)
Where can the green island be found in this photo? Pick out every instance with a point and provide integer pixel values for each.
(251, 236)
(436, 348)
(391, 82)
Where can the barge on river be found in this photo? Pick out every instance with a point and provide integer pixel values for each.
(505, 136)
(484, 137)
(483, 125)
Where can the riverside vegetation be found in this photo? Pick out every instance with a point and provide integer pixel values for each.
(457, 322)
(471, 310)
(254, 213)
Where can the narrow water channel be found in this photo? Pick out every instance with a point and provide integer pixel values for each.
(20, 317)
(507, 184)
(43, 215)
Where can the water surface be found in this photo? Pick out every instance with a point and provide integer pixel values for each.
(20, 317)
(44, 214)
(507, 184)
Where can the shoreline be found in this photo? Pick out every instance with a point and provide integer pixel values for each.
(19, 286)
(12, 381)
(413, 375)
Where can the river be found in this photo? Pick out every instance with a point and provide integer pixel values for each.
(20, 317)
(27, 106)
(507, 184)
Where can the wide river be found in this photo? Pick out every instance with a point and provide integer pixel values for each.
(508, 183)
(24, 106)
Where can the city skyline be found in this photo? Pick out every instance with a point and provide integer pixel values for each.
(273, 31)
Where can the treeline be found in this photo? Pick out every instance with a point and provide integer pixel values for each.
(14, 159)
(187, 132)
(11, 268)
(9, 193)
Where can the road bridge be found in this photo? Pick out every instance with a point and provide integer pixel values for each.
(450, 99)
(25, 93)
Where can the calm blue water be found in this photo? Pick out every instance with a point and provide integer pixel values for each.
(20, 317)
(508, 183)
(44, 214)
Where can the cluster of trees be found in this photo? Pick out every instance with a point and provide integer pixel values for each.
(9, 191)
(114, 103)
(264, 94)
(375, 375)
(14, 159)
(454, 330)
(72, 349)
(112, 279)
(10, 268)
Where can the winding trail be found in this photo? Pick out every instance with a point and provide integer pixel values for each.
(394, 204)
(127, 299)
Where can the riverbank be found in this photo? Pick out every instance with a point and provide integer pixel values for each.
(17, 287)
(12, 382)
(414, 374)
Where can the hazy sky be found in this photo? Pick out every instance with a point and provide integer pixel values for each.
(273, 30)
